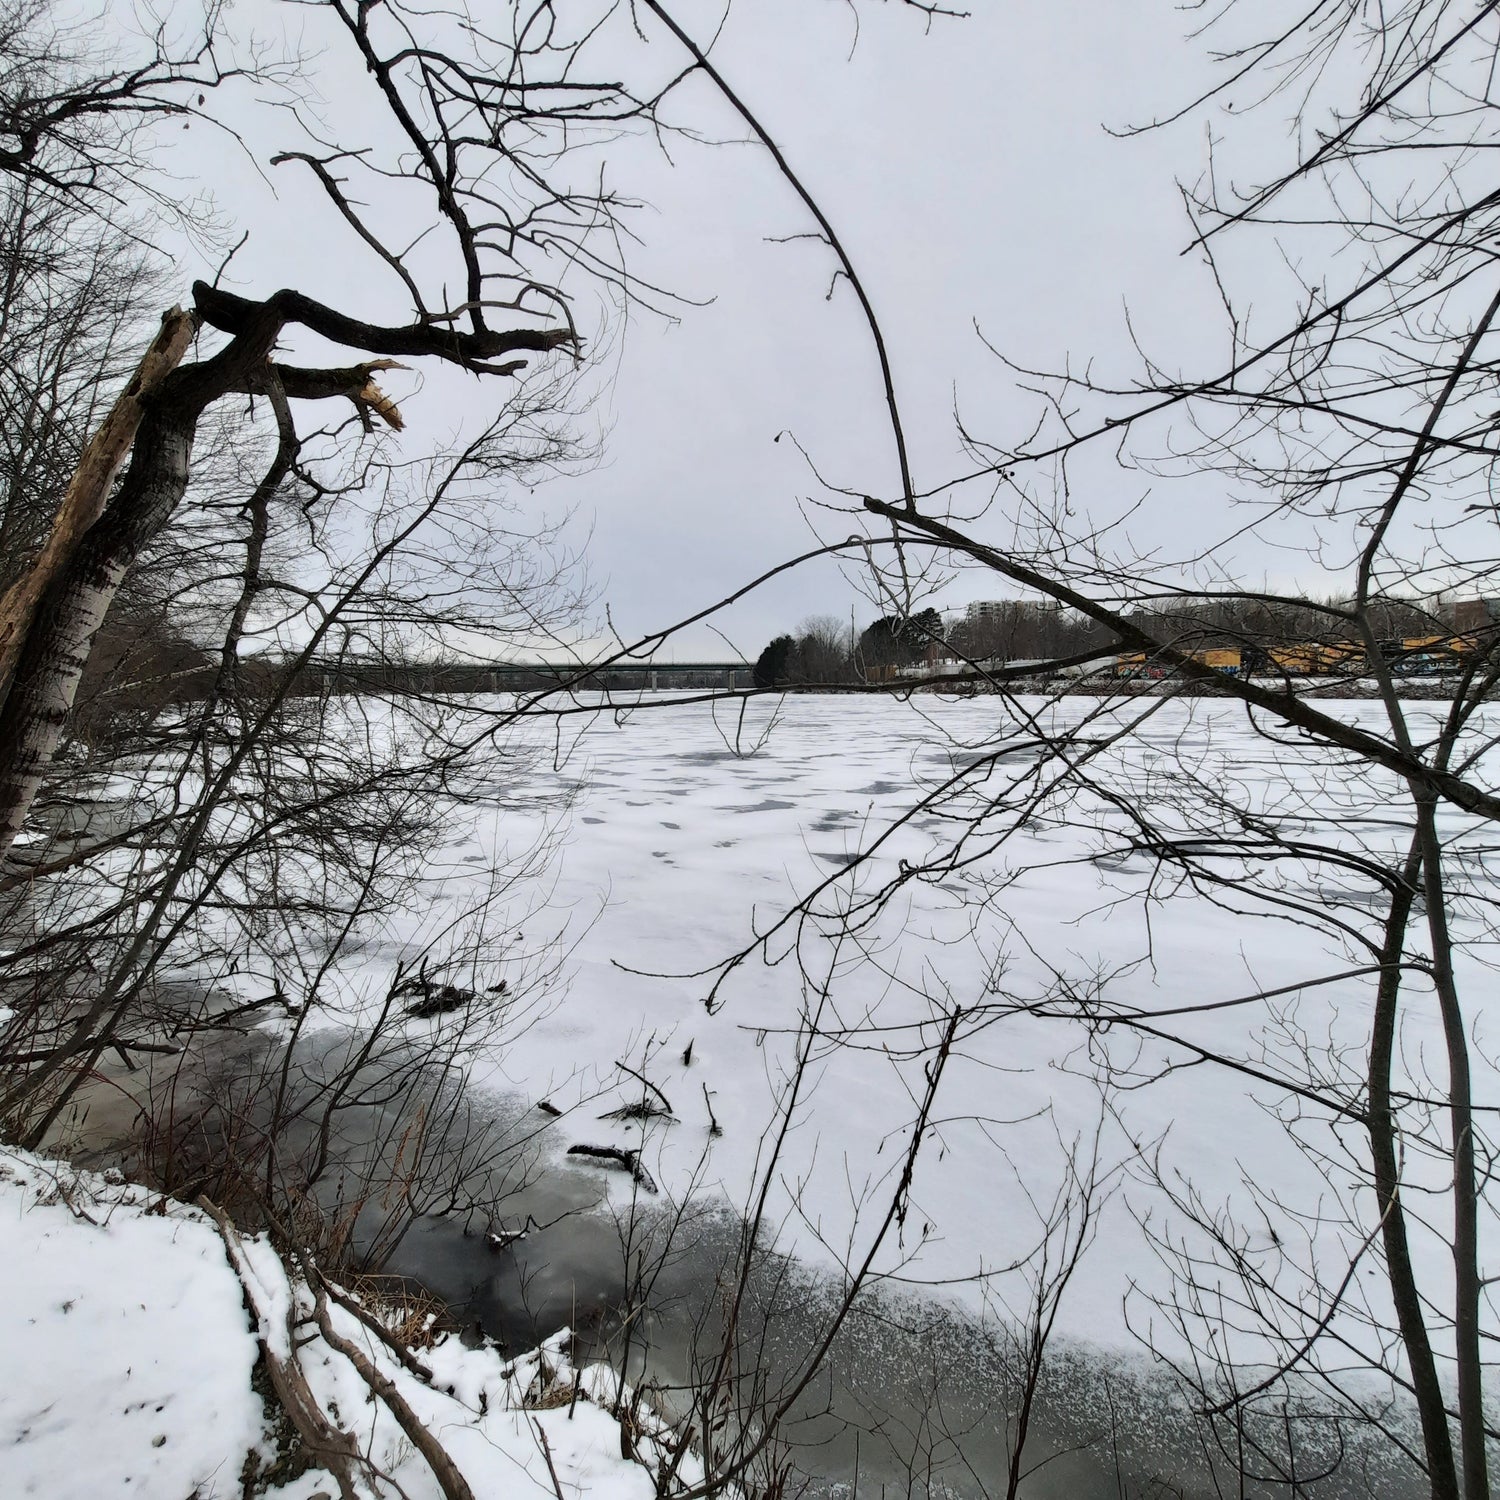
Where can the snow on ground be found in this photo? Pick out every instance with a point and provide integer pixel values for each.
(125, 1357)
(126, 1353)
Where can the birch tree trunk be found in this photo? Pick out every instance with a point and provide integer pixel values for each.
(62, 618)
(91, 561)
(88, 490)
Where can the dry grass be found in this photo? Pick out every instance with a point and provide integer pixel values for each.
(412, 1314)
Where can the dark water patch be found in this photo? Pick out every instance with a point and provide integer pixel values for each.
(770, 804)
(841, 858)
(831, 822)
(916, 1397)
(567, 1273)
(373, 1134)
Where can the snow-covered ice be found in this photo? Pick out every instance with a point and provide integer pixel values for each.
(694, 830)
(689, 829)
(686, 831)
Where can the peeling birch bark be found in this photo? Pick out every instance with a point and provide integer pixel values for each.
(89, 488)
(67, 614)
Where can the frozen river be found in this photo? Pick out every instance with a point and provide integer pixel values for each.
(688, 835)
(1132, 1121)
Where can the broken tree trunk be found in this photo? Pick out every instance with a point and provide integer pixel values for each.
(88, 489)
(53, 650)
(48, 617)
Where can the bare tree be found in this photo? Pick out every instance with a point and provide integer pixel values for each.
(1367, 403)
(355, 595)
(79, 98)
(1352, 423)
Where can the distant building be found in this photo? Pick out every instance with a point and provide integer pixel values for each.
(1474, 614)
(984, 610)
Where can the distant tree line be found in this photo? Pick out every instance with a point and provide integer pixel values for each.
(825, 652)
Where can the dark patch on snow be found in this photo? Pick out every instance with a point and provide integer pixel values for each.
(430, 998)
(707, 757)
(640, 1109)
(831, 822)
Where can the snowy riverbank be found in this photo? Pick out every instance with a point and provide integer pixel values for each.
(130, 1364)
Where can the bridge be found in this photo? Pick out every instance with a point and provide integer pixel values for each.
(621, 675)
(527, 676)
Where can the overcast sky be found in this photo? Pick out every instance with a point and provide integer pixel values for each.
(969, 171)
